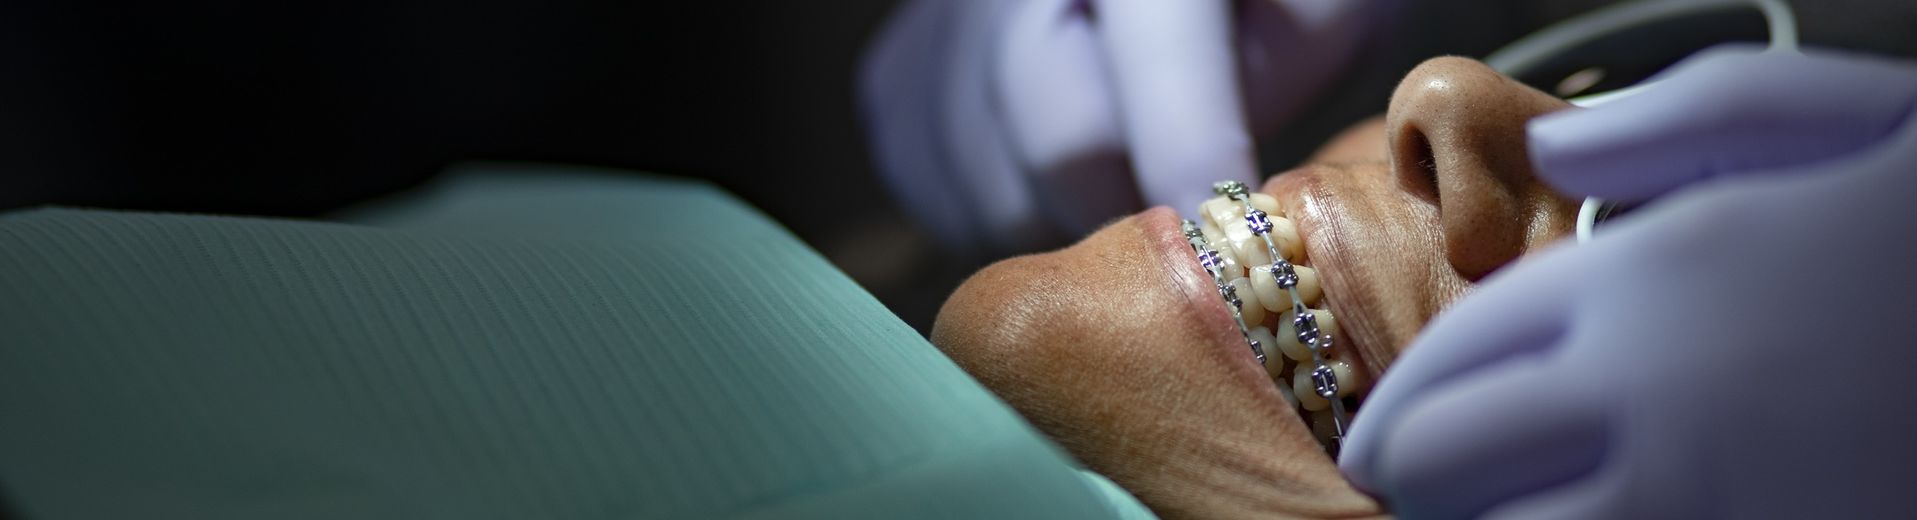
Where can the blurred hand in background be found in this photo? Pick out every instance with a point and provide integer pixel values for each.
(1010, 125)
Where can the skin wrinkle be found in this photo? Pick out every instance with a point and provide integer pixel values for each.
(1360, 335)
(1120, 349)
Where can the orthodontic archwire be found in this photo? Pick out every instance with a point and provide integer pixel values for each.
(1215, 265)
(1323, 379)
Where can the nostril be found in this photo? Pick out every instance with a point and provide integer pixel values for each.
(1456, 140)
(1417, 166)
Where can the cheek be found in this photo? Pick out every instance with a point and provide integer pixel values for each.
(1389, 267)
(1361, 143)
(1093, 344)
(1057, 327)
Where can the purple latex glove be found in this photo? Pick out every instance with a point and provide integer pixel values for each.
(1010, 124)
(1741, 347)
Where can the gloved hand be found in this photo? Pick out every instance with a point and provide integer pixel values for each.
(1741, 347)
(1009, 124)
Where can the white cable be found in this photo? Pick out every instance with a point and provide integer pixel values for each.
(1783, 34)
(1783, 24)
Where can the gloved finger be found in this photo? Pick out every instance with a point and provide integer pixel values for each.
(1723, 112)
(1176, 80)
(1500, 434)
(1051, 86)
(940, 144)
(1516, 313)
(1596, 496)
(1290, 50)
(977, 147)
(900, 81)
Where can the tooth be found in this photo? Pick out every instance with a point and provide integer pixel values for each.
(1284, 389)
(1275, 298)
(1214, 236)
(1266, 203)
(1284, 234)
(1274, 363)
(1288, 334)
(1308, 288)
(1301, 387)
(1266, 286)
(1250, 246)
(1216, 241)
(1251, 310)
(1307, 392)
(1288, 338)
(1231, 267)
(1348, 380)
(1222, 211)
(1328, 324)
(1209, 228)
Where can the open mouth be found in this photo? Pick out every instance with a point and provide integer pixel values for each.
(1259, 259)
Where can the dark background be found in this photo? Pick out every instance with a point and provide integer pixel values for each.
(300, 108)
(297, 108)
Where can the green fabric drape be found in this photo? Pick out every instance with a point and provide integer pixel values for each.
(518, 342)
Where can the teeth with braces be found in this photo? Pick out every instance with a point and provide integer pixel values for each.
(1253, 309)
(1214, 263)
(1249, 248)
(1271, 287)
(1297, 346)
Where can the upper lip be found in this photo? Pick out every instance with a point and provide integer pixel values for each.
(1298, 192)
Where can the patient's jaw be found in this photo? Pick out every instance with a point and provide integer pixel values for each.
(1120, 348)
(1117, 347)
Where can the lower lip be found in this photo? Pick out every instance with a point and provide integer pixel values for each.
(1164, 227)
(1188, 278)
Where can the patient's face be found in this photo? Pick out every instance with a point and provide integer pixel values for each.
(1120, 348)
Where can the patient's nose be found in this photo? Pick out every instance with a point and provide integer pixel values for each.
(1456, 133)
